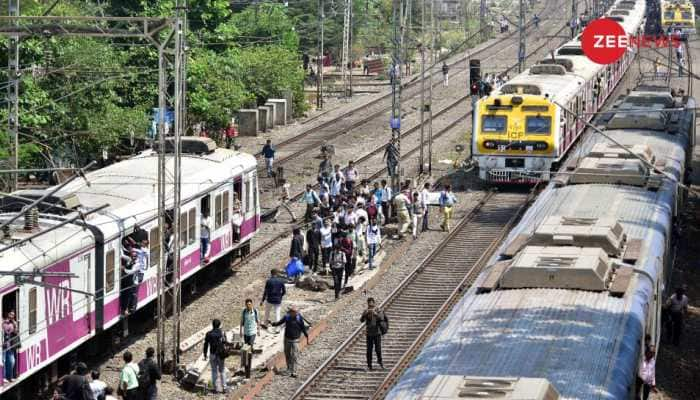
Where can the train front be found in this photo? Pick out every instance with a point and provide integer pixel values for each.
(678, 17)
(513, 138)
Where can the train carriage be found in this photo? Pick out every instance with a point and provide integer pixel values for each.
(521, 132)
(571, 294)
(64, 312)
(677, 17)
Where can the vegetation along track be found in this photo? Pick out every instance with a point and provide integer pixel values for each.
(316, 136)
(418, 304)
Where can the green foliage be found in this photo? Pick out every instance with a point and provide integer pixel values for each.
(267, 24)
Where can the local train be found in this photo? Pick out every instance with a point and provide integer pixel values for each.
(677, 17)
(566, 306)
(61, 312)
(521, 132)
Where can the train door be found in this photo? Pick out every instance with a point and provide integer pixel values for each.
(10, 303)
(256, 206)
(81, 267)
(237, 209)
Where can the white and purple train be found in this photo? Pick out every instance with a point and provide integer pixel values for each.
(54, 321)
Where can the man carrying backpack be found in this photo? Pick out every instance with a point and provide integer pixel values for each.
(149, 375)
(274, 292)
(377, 325)
(293, 328)
(250, 323)
(214, 348)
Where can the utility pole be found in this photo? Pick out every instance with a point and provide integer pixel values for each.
(521, 47)
(482, 20)
(345, 57)
(422, 104)
(396, 92)
(430, 88)
(574, 16)
(319, 59)
(13, 95)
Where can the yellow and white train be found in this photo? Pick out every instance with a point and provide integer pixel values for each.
(521, 132)
(678, 15)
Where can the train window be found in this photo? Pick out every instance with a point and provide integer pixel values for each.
(183, 230)
(155, 246)
(193, 218)
(247, 196)
(538, 125)
(32, 310)
(224, 208)
(254, 188)
(685, 15)
(217, 212)
(109, 272)
(668, 15)
(493, 124)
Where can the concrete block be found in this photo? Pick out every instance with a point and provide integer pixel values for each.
(280, 111)
(289, 96)
(248, 122)
(273, 113)
(270, 116)
(262, 118)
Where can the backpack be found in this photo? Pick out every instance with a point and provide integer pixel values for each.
(144, 376)
(446, 199)
(384, 325)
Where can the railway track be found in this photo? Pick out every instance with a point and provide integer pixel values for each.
(418, 304)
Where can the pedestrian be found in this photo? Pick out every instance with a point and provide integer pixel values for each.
(97, 386)
(679, 56)
(311, 199)
(677, 306)
(351, 176)
(391, 155)
(250, 323)
(205, 234)
(337, 268)
(214, 348)
(313, 246)
(536, 20)
(326, 233)
(325, 168)
(284, 201)
(129, 282)
(149, 369)
(386, 201)
(76, 386)
(268, 152)
(129, 378)
(374, 240)
(10, 343)
(273, 294)
(294, 327)
(337, 184)
(445, 74)
(646, 379)
(657, 67)
(572, 25)
(348, 247)
(424, 197)
(373, 317)
(417, 212)
(296, 249)
(401, 205)
(372, 209)
(231, 134)
(447, 201)
(109, 393)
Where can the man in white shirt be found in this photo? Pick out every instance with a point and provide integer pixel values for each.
(424, 199)
(677, 306)
(96, 385)
(205, 230)
(646, 380)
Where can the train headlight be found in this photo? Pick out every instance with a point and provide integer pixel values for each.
(538, 163)
(491, 162)
(489, 144)
(541, 145)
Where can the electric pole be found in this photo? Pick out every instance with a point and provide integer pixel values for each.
(319, 59)
(13, 95)
(573, 18)
(422, 104)
(482, 20)
(345, 57)
(521, 47)
(430, 88)
(396, 92)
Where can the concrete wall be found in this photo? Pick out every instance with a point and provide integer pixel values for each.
(248, 122)
(289, 96)
(262, 118)
(274, 107)
(280, 111)
(270, 116)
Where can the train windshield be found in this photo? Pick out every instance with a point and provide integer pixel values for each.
(668, 15)
(493, 124)
(685, 15)
(538, 125)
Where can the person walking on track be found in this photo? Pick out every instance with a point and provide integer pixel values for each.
(338, 261)
(294, 327)
(274, 293)
(214, 348)
(447, 201)
(376, 324)
(445, 74)
(268, 152)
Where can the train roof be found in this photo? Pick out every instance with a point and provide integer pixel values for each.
(586, 343)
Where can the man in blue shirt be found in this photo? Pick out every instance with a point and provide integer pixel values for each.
(269, 153)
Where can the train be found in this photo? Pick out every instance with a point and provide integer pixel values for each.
(522, 131)
(568, 302)
(677, 17)
(71, 289)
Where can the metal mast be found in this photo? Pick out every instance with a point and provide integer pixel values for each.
(13, 94)
(430, 87)
(319, 59)
(422, 104)
(345, 59)
(521, 47)
(574, 15)
(482, 20)
(396, 90)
